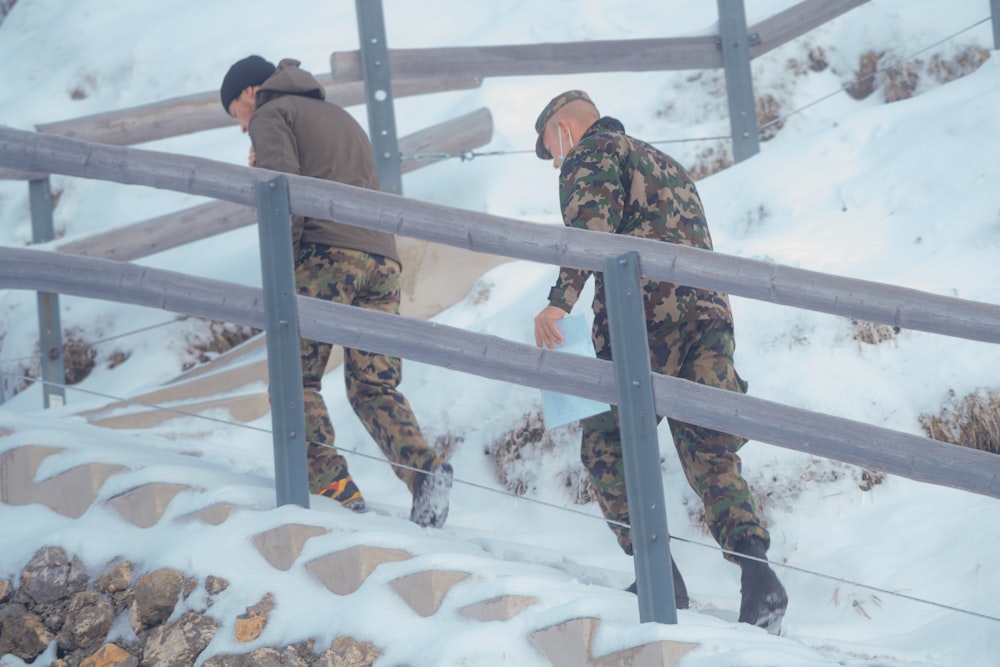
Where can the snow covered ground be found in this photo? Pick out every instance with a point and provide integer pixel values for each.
(899, 574)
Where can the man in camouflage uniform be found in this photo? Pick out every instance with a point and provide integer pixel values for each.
(293, 130)
(611, 182)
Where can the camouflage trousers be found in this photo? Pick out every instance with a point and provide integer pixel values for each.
(368, 281)
(700, 351)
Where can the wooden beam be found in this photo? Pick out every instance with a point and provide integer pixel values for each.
(630, 55)
(202, 111)
(902, 454)
(479, 232)
(796, 21)
(149, 237)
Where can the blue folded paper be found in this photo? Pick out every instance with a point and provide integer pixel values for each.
(561, 409)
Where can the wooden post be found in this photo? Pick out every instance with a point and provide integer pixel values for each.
(50, 347)
(378, 89)
(283, 362)
(640, 449)
(735, 44)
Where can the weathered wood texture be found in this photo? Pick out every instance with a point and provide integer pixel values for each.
(145, 238)
(634, 55)
(765, 281)
(856, 443)
(202, 111)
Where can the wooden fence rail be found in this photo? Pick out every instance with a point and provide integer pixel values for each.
(145, 238)
(202, 111)
(634, 55)
(765, 281)
(889, 451)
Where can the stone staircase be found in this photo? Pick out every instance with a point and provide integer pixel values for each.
(72, 492)
(237, 383)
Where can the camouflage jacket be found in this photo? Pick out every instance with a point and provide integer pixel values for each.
(611, 182)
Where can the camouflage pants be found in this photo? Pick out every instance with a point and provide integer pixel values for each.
(369, 281)
(700, 351)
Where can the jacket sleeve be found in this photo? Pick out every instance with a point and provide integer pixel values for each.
(592, 197)
(276, 148)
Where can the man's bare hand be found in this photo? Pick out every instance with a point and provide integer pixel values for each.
(547, 332)
(253, 157)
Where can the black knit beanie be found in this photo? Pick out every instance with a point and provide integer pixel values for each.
(251, 71)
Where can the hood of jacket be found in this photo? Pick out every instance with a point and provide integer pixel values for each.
(289, 79)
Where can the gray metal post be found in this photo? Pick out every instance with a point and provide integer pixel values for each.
(291, 480)
(50, 344)
(640, 448)
(995, 13)
(378, 91)
(735, 44)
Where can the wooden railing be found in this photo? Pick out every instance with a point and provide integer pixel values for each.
(844, 440)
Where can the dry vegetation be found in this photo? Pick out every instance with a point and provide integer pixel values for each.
(515, 455)
(873, 333)
(217, 338)
(899, 80)
(971, 421)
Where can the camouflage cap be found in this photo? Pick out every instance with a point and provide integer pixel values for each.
(557, 103)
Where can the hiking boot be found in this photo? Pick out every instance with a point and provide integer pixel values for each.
(430, 495)
(764, 598)
(345, 492)
(681, 600)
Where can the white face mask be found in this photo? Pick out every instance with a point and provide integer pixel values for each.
(562, 153)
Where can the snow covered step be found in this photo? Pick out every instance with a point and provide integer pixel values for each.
(343, 572)
(144, 505)
(568, 644)
(69, 493)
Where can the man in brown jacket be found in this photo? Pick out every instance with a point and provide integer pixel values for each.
(293, 130)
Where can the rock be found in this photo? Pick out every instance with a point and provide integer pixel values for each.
(252, 623)
(50, 577)
(156, 595)
(180, 643)
(110, 655)
(215, 585)
(115, 578)
(348, 652)
(23, 634)
(88, 621)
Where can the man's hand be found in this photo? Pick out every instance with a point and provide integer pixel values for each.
(547, 332)
(253, 157)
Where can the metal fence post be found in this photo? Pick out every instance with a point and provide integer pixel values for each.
(282, 328)
(50, 344)
(735, 44)
(995, 13)
(640, 448)
(378, 91)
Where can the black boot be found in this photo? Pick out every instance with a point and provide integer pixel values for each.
(681, 600)
(764, 598)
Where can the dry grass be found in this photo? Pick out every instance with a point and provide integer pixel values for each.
(711, 159)
(972, 421)
(515, 457)
(218, 337)
(899, 80)
(872, 333)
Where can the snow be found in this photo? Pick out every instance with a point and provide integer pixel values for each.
(900, 574)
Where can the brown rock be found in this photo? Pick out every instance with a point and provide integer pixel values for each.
(115, 578)
(156, 595)
(110, 655)
(252, 623)
(180, 643)
(88, 621)
(348, 652)
(24, 635)
(215, 585)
